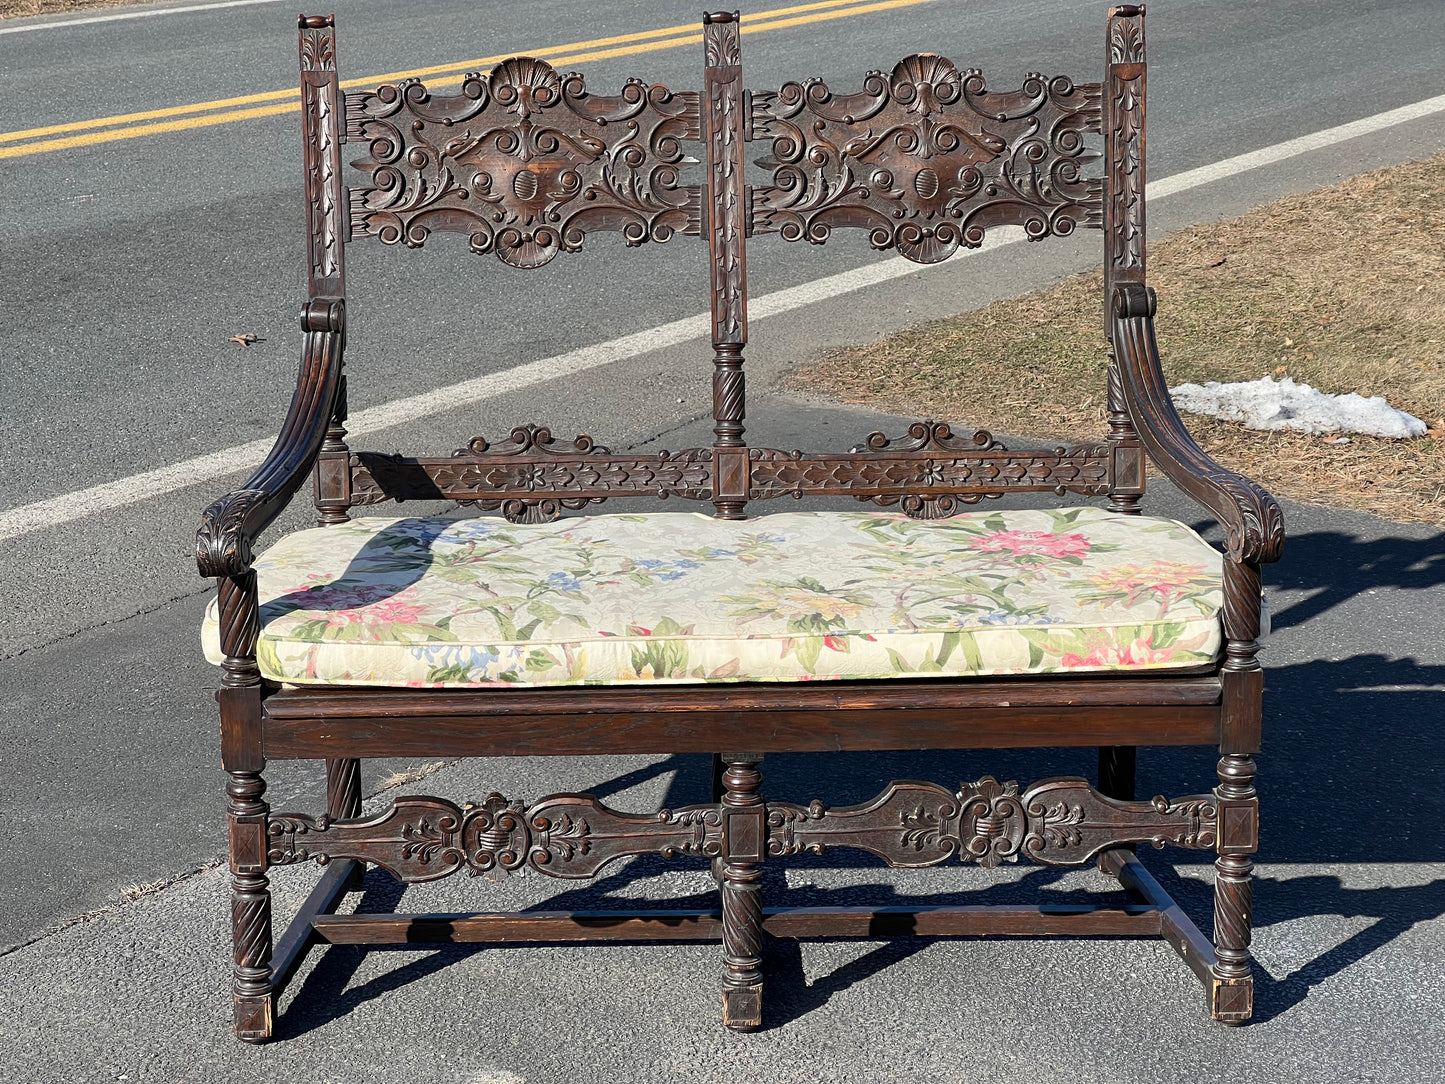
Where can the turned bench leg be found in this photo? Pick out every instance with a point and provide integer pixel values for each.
(1232, 995)
(250, 908)
(739, 872)
(343, 800)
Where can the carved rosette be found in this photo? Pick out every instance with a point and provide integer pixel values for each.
(927, 158)
(524, 160)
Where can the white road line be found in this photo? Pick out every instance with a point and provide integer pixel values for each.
(138, 487)
(133, 15)
(1268, 156)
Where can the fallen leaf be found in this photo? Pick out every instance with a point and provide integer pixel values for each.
(1337, 440)
(1219, 262)
(1288, 341)
(246, 340)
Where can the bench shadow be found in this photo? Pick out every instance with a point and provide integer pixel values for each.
(393, 545)
(1337, 566)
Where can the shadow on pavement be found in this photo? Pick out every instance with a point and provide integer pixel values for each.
(1337, 566)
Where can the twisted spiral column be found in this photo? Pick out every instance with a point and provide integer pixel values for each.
(250, 907)
(1233, 898)
(740, 875)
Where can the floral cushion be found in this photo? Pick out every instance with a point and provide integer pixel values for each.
(684, 597)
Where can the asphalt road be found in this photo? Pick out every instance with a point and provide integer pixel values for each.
(126, 264)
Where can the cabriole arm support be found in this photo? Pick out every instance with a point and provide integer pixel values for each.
(1249, 515)
(229, 527)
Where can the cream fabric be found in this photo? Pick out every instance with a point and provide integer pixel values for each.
(684, 597)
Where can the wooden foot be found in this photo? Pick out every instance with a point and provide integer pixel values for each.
(1232, 992)
(1232, 1003)
(740, 872)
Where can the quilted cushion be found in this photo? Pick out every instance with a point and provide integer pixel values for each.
(683, 597)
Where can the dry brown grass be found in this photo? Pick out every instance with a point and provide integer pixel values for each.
(1342, 288)
(14, 9)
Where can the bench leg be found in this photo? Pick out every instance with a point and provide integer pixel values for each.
(250, 907)
(739, 872)
(718, 767)
(1116, 771)
(1232, 992)
(343, 800)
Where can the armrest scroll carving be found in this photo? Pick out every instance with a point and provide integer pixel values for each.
(229, 527)
(1250, 516)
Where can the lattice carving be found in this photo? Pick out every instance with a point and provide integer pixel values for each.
(927, 158)
(529, 479)
(929, 473)
(523, 160)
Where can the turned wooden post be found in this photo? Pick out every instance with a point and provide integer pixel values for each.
(722, 110)
(240, 701)
(331, 480)
(1232, 998)
(739, 872)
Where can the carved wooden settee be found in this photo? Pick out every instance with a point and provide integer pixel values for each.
(918, 625)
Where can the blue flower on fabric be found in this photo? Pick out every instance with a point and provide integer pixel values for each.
(564, 581)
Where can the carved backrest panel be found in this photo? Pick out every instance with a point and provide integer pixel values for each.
(526, 162)
(523, 160)
(927, 158)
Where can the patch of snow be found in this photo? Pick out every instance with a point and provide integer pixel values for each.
(1270, 405)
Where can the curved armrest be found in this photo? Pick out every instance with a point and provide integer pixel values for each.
(1249, 515)
(230, 526)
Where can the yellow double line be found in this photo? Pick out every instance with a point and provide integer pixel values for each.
(273, 102)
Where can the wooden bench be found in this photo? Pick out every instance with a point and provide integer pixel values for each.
(915, 625)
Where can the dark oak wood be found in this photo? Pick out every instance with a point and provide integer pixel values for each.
(797, 730)
(524, 162)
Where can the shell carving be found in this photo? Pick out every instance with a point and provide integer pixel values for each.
(524, 85)
(925, 82)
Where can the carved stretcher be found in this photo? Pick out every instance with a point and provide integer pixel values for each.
(525, 163)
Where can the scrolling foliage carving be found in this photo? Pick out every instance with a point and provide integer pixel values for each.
(424, 839)
(927, 158)
(524, 161)
(1057, 822)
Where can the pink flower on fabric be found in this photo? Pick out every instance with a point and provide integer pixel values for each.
(1115, 657)
(390, 609)
(1033, 544)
